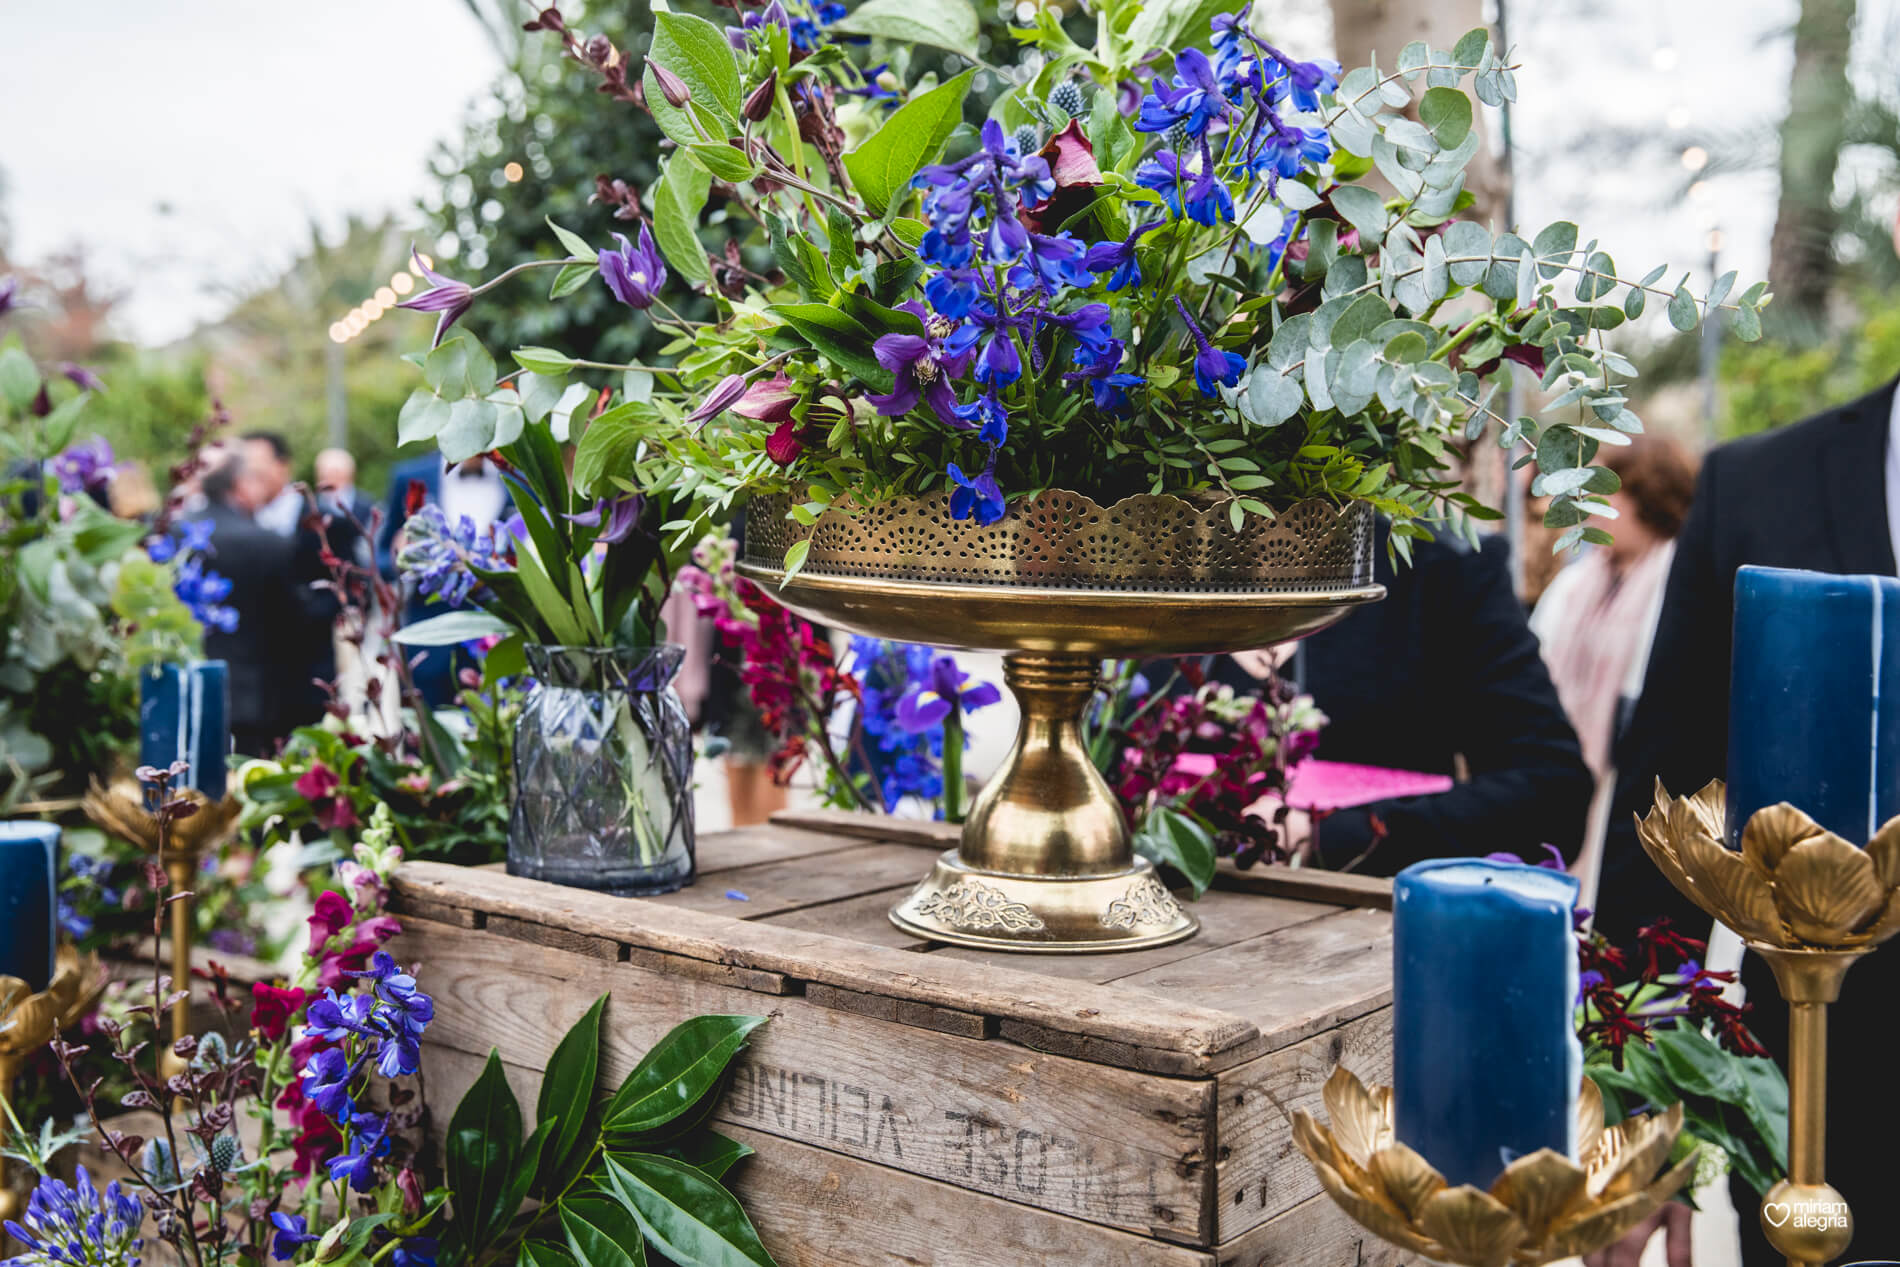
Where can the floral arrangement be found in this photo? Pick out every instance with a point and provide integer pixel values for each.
(329, 1071)
(885, 723)
(1152, 263)
(1198, 767)
(82, 607)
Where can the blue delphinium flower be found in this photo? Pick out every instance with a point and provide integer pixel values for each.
(369, 1140)
(326, 1083)
(440, 556)
(904, 764)
(335, 1017)
(203, 592)
(1005, 179)
(1101, 371)
(1199, 194)
(1118, 258)
(1211, 365)
(1194, 98)
(293, 1231)
(420, 1251)
(987, 414)
(67, 1226)
(1304, 82)
(1051, 264)
(1287, 150)
(71, 922)
(979, 496)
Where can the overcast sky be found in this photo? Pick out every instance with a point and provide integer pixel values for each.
(187, 143)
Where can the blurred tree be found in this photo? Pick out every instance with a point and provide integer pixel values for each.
(1801, 263)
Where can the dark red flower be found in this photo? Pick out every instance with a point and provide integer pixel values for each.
(333, 914)
(273, 1008)
(317, 783)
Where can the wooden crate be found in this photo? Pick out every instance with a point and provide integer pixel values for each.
(923, 1104)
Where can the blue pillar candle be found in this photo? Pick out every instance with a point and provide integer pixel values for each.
(1486, 1062)
(29, 883)
(1814, 699)
(184, 715)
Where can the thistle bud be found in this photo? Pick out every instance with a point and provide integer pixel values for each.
(1067, 97)
(671, 86)
(758, 105)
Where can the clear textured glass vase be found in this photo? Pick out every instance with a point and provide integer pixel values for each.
(603, 772)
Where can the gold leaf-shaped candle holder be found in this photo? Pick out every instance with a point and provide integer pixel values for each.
(1811, 904)
(1543, 1208)
(30, 1020)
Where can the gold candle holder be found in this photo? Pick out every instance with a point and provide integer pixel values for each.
(1543, 1208)
(120, 808)
(28, 1022)
(1811, 904)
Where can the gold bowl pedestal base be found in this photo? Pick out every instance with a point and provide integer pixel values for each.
(991, 910)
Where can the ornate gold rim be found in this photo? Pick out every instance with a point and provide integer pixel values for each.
(1065, 541)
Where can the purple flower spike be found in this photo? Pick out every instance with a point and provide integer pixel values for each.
(446, 296)
(635, 275)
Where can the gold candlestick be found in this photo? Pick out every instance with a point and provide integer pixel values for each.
(1811, 904)
(121, 809)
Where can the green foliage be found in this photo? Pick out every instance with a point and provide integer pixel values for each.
(607, 1181)
(1781, 381)
(1170, 837)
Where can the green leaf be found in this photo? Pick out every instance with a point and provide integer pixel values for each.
(460, 367)
(723, 161)
(548, 1254)
(570, 279)
(839, 336)
(549, 603)
(1115, 142)
(544, 361)
(505, 659)
(522, 1176)
(484, 1138)
(470, 429)
(1364, 209)
(678, 200)
(567, 1088)
(608, 446)
(1167, 836)
(451, 629)
(1682, 310)
(950, 24)
(19, 377)
(795, 556)
(1471, 47)
(679, 1069)
(1447, 112)
(685, 1212)
(576, 244)
(882, 167)
(603, 1232)
(696, 51)
(714, 1153)
(423, 416)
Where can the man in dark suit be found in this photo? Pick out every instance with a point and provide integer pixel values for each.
(1817, 496)
(274, 609)
(1444, 672)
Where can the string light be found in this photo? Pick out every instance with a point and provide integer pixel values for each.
(402, 283)
(1695, 158)
(386, 296)
(359, 318)
(339, 333)
(511, 172)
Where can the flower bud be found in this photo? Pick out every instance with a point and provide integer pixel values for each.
(671, 86)
(758, 106)
(599, 49)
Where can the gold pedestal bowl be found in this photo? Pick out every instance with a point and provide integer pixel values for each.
(1058, 585)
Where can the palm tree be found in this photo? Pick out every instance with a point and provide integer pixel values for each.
(1801, 252)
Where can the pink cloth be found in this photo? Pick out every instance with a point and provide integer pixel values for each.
(1330, 785)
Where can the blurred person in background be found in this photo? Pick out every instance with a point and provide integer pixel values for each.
(273, 609)
(349, 509)
(1597, 617)
(267, 458)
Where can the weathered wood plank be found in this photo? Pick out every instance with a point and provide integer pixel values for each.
(1259, 1174)
(721, 851)
(439, 912)
(1100, 1143)
(559, 938)
(1225, 918)
(1307, 884)
(817, 1208)
(922, 1015)
(754, 979)
(920, 832)
(771, 887)
(865, 919)
(1144, 1030)
(1292, 984)
(1315, 1233)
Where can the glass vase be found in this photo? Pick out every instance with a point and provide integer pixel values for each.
(603, 772)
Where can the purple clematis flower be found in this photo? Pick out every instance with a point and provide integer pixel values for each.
(924, 364)
(941, 692)
(86, 467)
(634, 274)
(720, 399)
(773, 14)
(446, 296)
(81, 377)
(616, 517)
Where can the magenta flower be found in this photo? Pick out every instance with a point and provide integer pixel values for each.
(924, 365)
(634, 274)
(446, 296)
